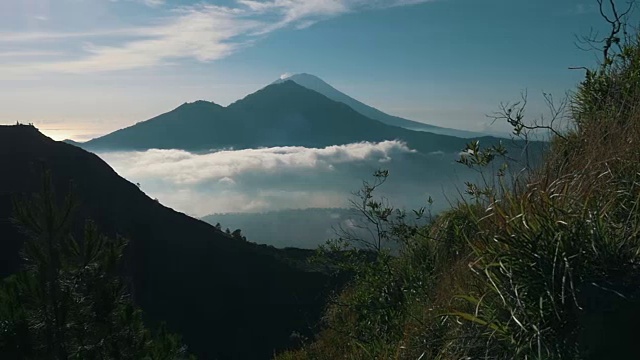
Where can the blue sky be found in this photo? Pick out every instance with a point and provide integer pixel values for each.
(81, 68)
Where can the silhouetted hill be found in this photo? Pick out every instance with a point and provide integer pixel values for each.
(314, 83)
(284, 114)
(72, 142)
(228, 298)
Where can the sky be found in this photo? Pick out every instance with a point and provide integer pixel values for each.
(82, 68)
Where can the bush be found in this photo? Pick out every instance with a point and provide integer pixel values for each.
(69, 301)
(541, 266)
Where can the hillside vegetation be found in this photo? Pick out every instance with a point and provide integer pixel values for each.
(544, 265)
(68, 301)
(217, 292)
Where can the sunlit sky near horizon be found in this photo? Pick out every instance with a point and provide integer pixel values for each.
(82, 68)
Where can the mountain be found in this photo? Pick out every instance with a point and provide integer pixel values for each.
(230, 299)
(314, 83)
(284, 114)
(72, 142)
(197, 125)
(300, 228)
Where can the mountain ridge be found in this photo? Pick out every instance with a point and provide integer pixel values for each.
(284, 114)
(245, 293)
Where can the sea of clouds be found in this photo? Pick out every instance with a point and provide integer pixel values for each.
(276, 178)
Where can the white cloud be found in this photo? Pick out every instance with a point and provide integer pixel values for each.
(153, 3)
(150, 3)
(203, 32)
(227, 181)
(184, 168)
(249, 180)
(38, 37)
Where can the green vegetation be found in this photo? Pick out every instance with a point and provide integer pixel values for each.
(69, 301)
(542, 265)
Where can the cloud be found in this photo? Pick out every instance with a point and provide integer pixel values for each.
(253, 179)
(203, 32)
(28, 53)
(39, 37)
(278, 178)
(227, 180)
(150, 3)
(184, 168)
(153, 3)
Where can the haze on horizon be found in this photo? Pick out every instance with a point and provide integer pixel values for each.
(82, 68)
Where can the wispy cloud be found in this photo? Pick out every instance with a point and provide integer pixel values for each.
(38, 37)
(153, 3)
(203, 32)
(28, 54)
(150, 3)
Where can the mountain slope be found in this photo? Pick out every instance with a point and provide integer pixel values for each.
(184, 124)
(228, 298)
(316, 84)
(285, 114)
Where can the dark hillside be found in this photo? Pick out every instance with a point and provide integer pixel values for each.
(228, 298)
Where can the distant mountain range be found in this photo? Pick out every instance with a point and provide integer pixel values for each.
(281, 114)
(314, 83)
(230, 299)
(300, 228)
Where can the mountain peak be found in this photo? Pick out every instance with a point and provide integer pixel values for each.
(280, 93)
(313, 82)
(300, 78)
(21, 134)
(201, 103)
(304, 76)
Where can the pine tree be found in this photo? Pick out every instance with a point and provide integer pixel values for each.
(69, 301)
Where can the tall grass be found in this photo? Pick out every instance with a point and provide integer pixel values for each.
(547, 267)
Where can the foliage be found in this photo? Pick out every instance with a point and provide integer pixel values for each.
(69, 302)
(543, 265)
(608, 92)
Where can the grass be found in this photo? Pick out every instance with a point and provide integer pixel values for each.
(548, 267)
